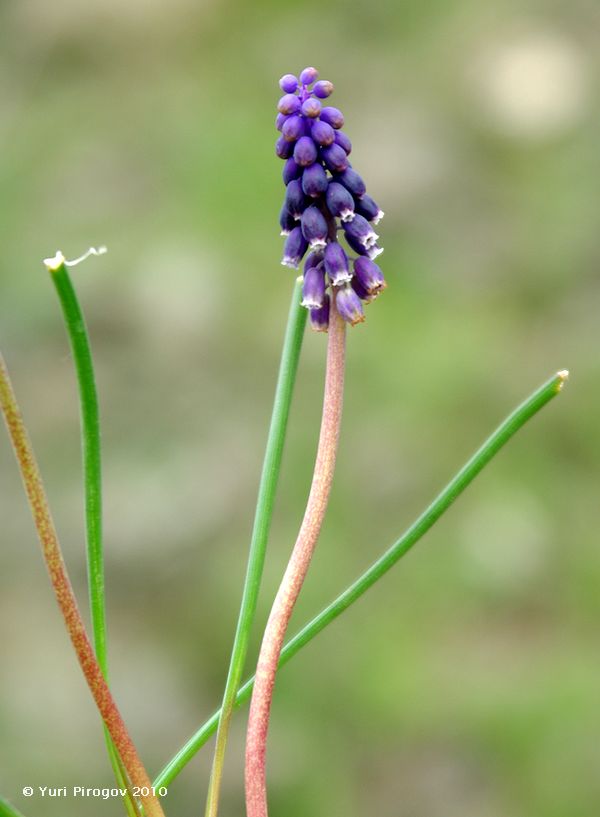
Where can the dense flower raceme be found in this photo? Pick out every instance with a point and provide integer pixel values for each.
(324, 197)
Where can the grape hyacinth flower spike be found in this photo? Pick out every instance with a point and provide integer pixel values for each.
(325, 199)
(325, 203)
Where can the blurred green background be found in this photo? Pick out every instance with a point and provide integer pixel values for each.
(467, 682)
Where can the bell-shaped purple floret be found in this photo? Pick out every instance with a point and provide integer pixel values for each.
(288, 83)
(369, 275)
(283, 148)
(311, 108)
(342, 140)
(323, 88)
(333, 117)
(287, 222)
(335, 158)
(319, 318)
(314, 180)
(308, 76)
(314, 288)
(369, 209)
(336, 264)
(291, 170)
(355, 245)
(305, 152)
(322, 133)
(360, 229)
(293, 128)
(314, 227)
(289, 103)
(295, 201)
(352, 182)
(361, 291)
(294, 249)
(349, 305)
(339, 201)
(279, 120)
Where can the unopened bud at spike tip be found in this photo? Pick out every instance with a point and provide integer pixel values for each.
(308, 76)
(323, 88)
(288, 83)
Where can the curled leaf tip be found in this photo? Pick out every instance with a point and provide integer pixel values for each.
(59, 260)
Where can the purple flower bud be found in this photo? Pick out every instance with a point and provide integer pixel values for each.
(352, 182)
(293, 128)
(332, 116)
(311, 108)
(314, 180)
(336, 264)
(342, 140)
(305, 152)
(288, 83)
(287, 222)
(349, 306)
(291, 170)
(283, 148)
(294, 198)
(335, 158)
(369, 209)
(323, 89)
(319, 318)
(308, 76)
(322, 133)
(313, 288)
(339, 201)
(294, 249)
(360, 229)
(279, 120)
(314, 227)
(369, 275)
(290, 103)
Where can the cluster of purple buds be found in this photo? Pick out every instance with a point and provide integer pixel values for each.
(325, 196)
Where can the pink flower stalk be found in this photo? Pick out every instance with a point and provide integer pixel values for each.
(289, 589)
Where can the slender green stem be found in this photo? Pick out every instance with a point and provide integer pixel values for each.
(65, 597)
(262, 522)
(416, 531)
(92, 475)
(7, 809)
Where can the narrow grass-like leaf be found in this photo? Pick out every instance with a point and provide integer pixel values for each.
(92, 478)
(513, 423)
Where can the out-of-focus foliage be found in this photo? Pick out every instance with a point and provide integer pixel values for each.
(467, 683)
